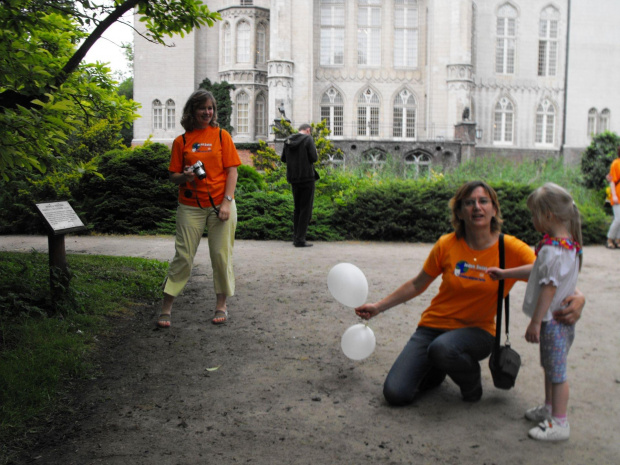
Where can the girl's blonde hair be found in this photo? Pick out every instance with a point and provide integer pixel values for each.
(552, 201)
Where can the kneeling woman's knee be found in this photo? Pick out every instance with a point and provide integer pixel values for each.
(395, 395)
(441, 354)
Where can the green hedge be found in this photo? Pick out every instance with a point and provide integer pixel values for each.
(134, 194)
(135, 197)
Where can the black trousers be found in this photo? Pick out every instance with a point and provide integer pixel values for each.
(303, 199)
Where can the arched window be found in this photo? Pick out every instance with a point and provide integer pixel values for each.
(503, 125)
(406, 33)
(243, 113)
(368, 114)
(404, 115)
(332, 110)
(374, 157)
(592, 117)
(417, 165)
(243, 42)
(545, 123)
(170, 114)
(158, 114)
(603, 122)
(227, 39)
(261, 115)
(548, 42)
(506, 40)
(261, 44)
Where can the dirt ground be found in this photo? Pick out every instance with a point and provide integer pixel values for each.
(283, 391)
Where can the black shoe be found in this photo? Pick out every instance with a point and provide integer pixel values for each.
(474, 395)
(302, 244)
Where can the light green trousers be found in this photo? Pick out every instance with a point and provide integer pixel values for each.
(191, 223)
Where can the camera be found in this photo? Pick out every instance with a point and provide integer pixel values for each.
(199, 170)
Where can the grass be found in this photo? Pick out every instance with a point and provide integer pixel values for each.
(42, 345)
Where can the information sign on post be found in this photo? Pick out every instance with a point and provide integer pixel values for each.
(60, 218)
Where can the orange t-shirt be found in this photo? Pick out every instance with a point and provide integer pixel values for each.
(467, 296)
(204, 145)
(614, 172)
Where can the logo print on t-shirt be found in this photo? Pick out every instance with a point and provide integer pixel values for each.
(466, 270)
(201, 147)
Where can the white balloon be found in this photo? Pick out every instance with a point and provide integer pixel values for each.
(358, 342)
(348, 284)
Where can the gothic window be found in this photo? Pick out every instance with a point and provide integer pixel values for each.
(404, 115)
(227, 44)
(243, 113)
(369, 33)
(406, 33)
(506, 40)
(503, 125)
(368, 114)
(592, 117)
(417, 165)
(545, 123)
(158, 115)
(374, 157)
(261, 115)
(603, 121)
(261, 44)
(332, 110)
(332, 32)
(548, 42)
(243, 42)
(170, 114)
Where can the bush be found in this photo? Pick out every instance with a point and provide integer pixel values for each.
(397, 211)
(134, 195)
(249, 180)
(269, 216)
(597, 159)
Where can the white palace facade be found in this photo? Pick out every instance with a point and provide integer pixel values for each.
(428, 80)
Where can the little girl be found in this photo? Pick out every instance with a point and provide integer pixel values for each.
(551, 279)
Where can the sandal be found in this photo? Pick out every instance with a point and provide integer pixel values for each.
(220, 317)
(164, 320)
(611, 245)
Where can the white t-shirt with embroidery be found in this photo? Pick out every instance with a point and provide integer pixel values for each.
(557, 266)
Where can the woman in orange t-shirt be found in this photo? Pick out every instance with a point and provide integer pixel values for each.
(613, 235)
(204, 165)
(457, 330)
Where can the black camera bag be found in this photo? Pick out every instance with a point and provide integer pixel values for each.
(505, 361)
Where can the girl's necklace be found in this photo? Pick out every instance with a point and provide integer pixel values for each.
(563, 242)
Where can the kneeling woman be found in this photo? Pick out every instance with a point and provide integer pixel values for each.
(205, 198)
(457, 330)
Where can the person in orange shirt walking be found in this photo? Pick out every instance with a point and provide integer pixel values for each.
(204, 165)
(613, 235)
(457, 330)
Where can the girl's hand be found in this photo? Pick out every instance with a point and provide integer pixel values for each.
(495, 273)
(532, 334)
(367, 311)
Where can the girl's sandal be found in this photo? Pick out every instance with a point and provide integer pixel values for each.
(220, 317)
(164, 320)
(611, 245)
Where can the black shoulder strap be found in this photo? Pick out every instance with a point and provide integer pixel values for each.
(183, 135)
(501, 300)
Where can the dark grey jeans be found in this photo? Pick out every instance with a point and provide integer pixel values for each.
(430, 355)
